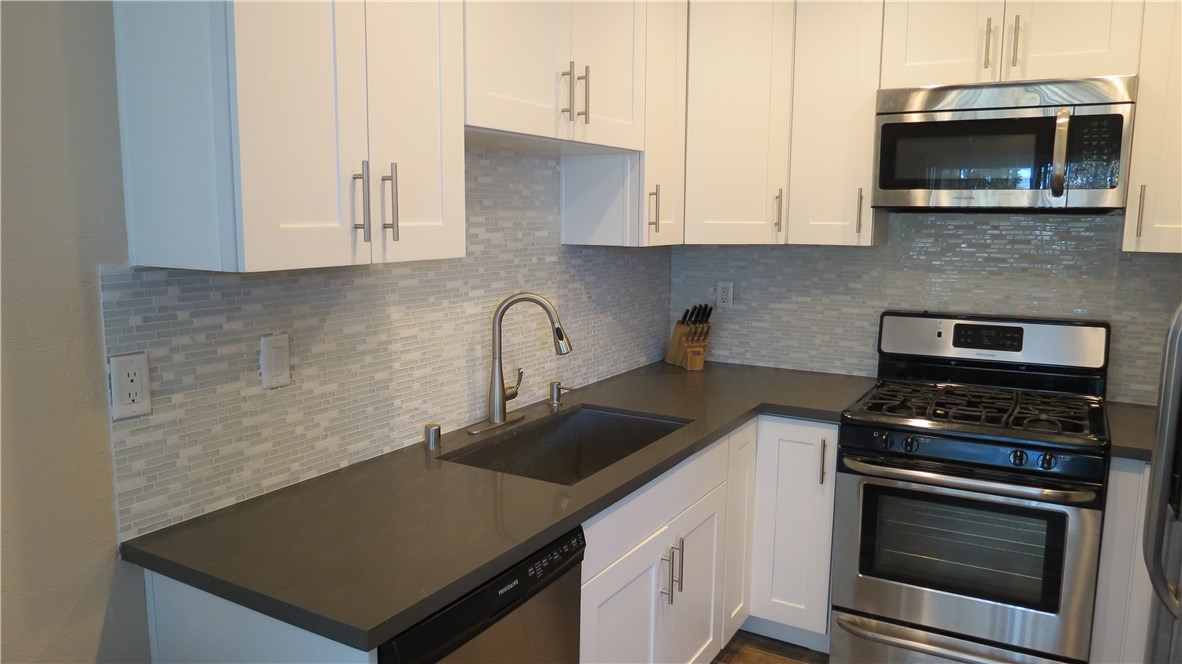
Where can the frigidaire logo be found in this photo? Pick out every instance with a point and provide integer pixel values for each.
(962, 198)
(509, 587)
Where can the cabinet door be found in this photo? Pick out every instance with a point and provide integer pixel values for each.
(835, 80)
(419, 137)
(795, 466)
(940, 43)
(664, 126)
(1153, 219)
(513, 68)
(740, 70)
(740, 511)
(607, 45)
(623, 613)
(1071, 39)
(694, 633)
(1124, 595)
(299, 95)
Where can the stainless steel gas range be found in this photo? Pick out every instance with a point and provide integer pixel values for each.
(970, 491)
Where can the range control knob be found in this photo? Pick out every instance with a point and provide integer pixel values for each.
(910, 444)
(1047, 461)
(887, 441)
(1018, 458)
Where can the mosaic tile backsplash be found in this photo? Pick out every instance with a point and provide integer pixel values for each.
(816, 308)
(376, 352)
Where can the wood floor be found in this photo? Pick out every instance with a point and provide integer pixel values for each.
(748, 648)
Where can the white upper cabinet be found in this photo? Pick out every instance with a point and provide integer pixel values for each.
(630, 199)
(835, 79)
(248, 130)
(1153, 219)
(664, 128)
(740, 91)
(520, 77)
(945, 43)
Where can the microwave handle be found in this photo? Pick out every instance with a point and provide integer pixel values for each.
(1059, 153)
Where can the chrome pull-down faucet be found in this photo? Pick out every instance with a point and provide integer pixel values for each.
(498, 394)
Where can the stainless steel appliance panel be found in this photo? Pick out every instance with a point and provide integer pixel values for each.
(1064, 631)
(1162, 546)
(859, 640)
(1067, 345)
(1017, 94)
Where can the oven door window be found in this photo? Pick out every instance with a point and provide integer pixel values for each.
(1000, 553)
(1003, 153)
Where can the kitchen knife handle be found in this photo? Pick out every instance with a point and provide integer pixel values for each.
(656, 221)
(1059, 152)
(364, 177)
(392, 178)
(1161, 468)
(988, 39)
(779, 209)
(1141, 210)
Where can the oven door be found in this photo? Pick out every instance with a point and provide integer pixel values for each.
(951, 553)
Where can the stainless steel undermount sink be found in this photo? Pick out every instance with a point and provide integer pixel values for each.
(568, 446)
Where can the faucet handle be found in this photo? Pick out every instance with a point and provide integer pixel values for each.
(511, 392)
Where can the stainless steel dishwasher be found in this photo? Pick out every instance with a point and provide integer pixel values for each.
(529, 613)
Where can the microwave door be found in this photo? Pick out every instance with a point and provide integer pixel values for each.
(970, 159)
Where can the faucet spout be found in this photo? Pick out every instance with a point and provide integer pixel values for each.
(497, 393)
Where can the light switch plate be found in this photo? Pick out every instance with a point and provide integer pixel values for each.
(129, 383)
(274, 361)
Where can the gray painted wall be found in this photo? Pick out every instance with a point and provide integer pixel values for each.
(816, 308)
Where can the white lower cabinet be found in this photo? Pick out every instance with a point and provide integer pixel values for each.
(796, 461)
(740, 513)
(1120, 626)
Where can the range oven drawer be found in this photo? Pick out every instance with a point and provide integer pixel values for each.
(998, 568)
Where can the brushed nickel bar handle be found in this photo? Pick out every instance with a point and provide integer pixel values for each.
(680, 565)
(570, 90)
(1017, 27)
(1059, 152)
(824, 444)
(656, 221)
(988, 39)
(779, 209)
(858, 225)
(364, 177)
(1141, 211)
(669, 559)
(586, 79)
(392, 178)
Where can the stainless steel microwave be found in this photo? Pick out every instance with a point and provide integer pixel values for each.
(1030, 144)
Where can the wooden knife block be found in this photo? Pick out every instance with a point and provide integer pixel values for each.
(685, 353)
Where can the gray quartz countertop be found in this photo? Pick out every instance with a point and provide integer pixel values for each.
(360, 554)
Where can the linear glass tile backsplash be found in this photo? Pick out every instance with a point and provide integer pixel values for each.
(377, 352)
(816, 308)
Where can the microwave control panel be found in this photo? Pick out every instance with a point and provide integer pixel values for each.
(1093, 151)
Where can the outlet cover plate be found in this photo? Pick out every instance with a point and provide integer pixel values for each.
(130, 386)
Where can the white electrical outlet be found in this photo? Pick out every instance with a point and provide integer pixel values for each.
(129, 382)
(274, 361)
(726, 294)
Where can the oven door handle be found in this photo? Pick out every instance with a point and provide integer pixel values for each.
(936, 645)
(968, 484)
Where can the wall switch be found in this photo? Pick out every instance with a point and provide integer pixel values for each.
(128, 379)
(274, 361)
(726, 294)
